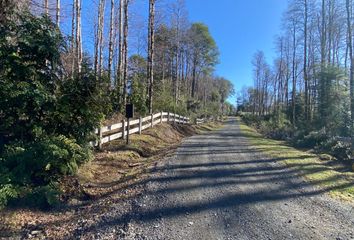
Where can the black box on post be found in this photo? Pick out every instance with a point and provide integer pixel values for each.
(129, 111)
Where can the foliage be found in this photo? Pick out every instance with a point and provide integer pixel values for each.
(81, 105)
(29, 55)
(46, 118)
(39, 163)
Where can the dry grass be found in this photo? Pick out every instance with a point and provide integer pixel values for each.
(119, 161)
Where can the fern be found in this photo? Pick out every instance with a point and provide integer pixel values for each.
(7, 193)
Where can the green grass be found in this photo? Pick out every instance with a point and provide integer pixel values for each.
(338, 184)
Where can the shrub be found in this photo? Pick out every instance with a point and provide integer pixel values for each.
(7, 193)
(273, 126)
(337, 148)
(252, 120)
(32, 168)
(312, 140)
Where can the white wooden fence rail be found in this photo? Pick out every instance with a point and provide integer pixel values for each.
(120, 130)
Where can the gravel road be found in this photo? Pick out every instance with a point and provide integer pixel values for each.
(217, 187)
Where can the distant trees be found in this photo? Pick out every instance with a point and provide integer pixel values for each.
(311, 79)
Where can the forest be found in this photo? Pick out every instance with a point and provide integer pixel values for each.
(62, 76)
(306, 94)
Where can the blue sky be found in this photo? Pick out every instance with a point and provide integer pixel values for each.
(240, 28)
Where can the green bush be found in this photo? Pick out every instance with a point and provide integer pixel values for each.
(8, 192)
(337, 148)
(32, 168)
(311, 140)
(252, 120)
(46, 118)
(273, 126)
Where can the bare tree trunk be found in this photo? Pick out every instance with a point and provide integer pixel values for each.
(78, 36)
(111, 41)
(151, 43)
(307, 112)
(351, 61)
(57, 18)
(125, 52)
(323, 35)
(46, 7)
(73, 38)
(194, 78)
(99, 39)
(120, 49)
(294, 77)
(101, 27)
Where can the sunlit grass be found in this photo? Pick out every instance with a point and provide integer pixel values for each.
(340, 184)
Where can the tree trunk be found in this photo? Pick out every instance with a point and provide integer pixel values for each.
(294, 78)
(323, 35)
(73, 38)
(119, 75)
(150, 64)
(125, 52)
(194, 78)
(78, 36)
(57, 18)
(101, 27)
(111, 41)
(307, 114)
(351, 62)
(46, 7)
(99, 40)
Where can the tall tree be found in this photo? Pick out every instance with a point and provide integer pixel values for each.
(125, 52)
(204, 52)
(111, 39)
(78, 36)
(46, 7)
(73, 39)
(119, 74)
(150, 62)
(57, 15)
(99, 39)
(349, 10)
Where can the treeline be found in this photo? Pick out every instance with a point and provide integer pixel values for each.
(163, 62)
(307, 93)
(54, 92)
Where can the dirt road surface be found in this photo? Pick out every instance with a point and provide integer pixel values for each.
(216, 186)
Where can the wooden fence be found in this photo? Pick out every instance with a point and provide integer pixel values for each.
(121, 130)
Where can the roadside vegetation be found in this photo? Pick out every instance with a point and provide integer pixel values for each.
(320, 169)
(306, 96)
(116, 168)
(55, 92)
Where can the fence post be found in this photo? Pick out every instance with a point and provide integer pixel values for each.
(123, 128)
(152, 120)
(174, 118)
(168, 117)
(100, 137)
(128, 126)
(140, 124)
(161, 117)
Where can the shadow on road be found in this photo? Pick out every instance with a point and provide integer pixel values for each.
(220, 160)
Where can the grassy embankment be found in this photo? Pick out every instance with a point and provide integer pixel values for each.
(120, 162)
(340, 183)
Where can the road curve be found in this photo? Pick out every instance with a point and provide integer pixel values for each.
(218, 187)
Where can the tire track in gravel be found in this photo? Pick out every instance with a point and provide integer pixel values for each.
(217, 186)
